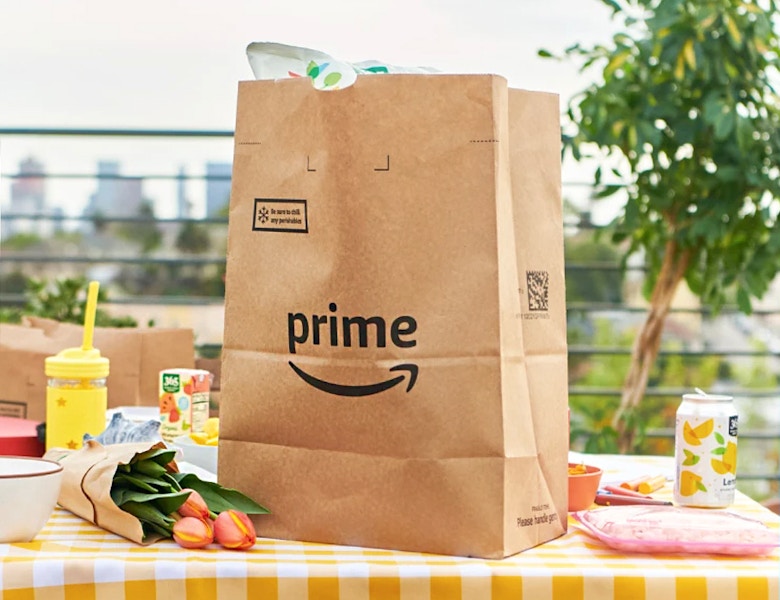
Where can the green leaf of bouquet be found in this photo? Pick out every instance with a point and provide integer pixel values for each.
(719, 438)
(134, 482)
(719, 451)
(171, 481)
(158, 483)
(701, 486)
(170, 503)
(219, 498)
(165, 503)
(149, 468)
(332, 78)
(161, 456)
(149, 514)
(152, 529)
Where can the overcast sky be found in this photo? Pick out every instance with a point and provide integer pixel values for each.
(175, 64)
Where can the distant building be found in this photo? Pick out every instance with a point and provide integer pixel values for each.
(218, 176)
(183, 206)
(116, 195)
(27, 209)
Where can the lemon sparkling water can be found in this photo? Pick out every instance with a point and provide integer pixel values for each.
(705, 451)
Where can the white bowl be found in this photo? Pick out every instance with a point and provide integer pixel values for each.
(28, 494)
(199, 455)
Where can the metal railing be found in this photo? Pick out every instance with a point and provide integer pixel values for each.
(32, 263)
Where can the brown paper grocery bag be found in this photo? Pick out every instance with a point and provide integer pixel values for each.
(136, 355)
(394, 363)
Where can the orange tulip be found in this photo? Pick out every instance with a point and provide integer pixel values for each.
(191, 532)
(194, 506)
(234, 530)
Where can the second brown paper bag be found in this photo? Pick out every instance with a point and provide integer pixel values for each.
(136, 355)
(394, 363)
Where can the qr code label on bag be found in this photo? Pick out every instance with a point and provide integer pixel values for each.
(538, 283)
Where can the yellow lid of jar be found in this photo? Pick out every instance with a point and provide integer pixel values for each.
(77, 363)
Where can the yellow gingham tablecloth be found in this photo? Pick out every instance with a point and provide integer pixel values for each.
(73, 559)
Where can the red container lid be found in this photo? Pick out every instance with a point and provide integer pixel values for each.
(19, 437)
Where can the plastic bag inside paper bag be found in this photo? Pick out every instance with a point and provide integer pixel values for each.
(279, 61)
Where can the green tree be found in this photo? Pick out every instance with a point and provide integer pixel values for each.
(21, 241)
(193, 238)
(99, 222)
(144, 231)
(683, 119)
(604, 283)
(591, 415)
(63, 300)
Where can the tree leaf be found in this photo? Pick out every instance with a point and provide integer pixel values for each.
(615, 63)
(743, 301)
(689, 54)
(733, 29)
(605, 191)
(724, 125)
(679, 67)
(713, 106)
(616, 8)
(709, 20)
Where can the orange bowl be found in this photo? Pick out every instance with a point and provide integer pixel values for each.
(583, 487)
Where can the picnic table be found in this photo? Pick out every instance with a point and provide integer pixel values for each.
(72, 558)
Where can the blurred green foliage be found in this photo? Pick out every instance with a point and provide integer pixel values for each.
(63, 300)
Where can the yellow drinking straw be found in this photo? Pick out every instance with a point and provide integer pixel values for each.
(89, 315)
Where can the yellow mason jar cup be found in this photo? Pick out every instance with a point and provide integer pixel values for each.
(76, 397)
(76, 394)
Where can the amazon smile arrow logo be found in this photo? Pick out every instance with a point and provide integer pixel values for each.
(359, 390)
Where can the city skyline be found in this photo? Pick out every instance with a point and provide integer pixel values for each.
(113, 194)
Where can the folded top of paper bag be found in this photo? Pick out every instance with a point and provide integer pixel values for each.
(280, 61)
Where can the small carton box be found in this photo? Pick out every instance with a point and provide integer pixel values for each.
(184, 401)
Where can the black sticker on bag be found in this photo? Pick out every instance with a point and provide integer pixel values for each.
(274, 214)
